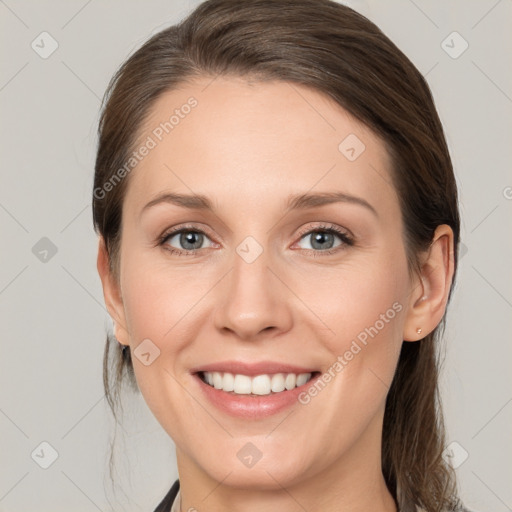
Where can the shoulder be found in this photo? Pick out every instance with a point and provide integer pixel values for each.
(166, 504)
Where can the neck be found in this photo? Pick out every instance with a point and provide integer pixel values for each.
(353, 483)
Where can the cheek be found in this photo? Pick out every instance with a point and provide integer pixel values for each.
(366, 322)
(157, 311)
(167, 305)
(157, 306)
(159, 299)
(363, 307)
(356, 301)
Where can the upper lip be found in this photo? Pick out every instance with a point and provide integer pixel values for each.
(251, 369)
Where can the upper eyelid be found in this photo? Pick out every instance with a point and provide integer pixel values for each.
(327, 226)
(179, 229)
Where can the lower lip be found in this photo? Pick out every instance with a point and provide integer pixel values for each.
(252, 406)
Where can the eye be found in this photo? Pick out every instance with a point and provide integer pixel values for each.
(189, 240)
(323, 239)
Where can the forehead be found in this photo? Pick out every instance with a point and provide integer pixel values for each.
(239, 142)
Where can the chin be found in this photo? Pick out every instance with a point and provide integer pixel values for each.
(268, 473)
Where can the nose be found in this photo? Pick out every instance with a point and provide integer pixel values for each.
(253, 302)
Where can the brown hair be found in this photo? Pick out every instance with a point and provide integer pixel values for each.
(340, 53)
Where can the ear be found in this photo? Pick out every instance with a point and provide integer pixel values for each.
(112, 293)
(431, 288)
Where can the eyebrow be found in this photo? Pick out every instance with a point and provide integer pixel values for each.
(295, 202)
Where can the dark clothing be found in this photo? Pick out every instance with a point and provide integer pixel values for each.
(166, 504)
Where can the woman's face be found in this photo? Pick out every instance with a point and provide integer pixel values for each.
(260, 283)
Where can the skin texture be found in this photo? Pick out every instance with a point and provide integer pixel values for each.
(248, 147)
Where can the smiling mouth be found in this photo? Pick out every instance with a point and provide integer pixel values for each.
(258, 385)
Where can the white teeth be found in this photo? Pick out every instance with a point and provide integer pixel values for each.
(217, 380)
(261, 385)
(228, 382)
(243, 385)
(302, 378)
(290, 381)
(258, 385)
(278, 382)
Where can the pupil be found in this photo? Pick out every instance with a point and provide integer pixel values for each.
(320, 238)
(188, 238)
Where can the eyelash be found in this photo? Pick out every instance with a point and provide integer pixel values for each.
(346, 239)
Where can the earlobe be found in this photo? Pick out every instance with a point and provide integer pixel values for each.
(429, 296)
(111, 293)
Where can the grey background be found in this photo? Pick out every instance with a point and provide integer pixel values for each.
(53, 320)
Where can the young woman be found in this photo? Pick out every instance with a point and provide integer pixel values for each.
(278, 232)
